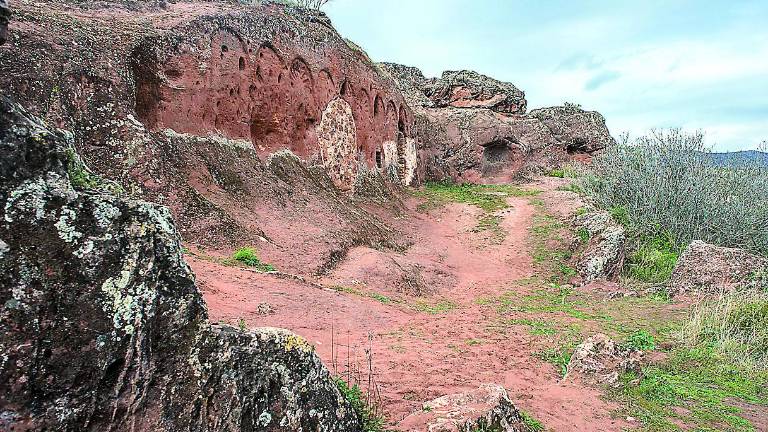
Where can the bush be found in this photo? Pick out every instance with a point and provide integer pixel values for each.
(249, 257)
(666, 184)
(372, 422)
(735, 325)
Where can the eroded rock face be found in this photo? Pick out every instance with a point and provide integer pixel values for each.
(271, 75)
(469, 89)
(704, 268)
(582, 132)
(5, 14)
(102, 326)
(599, 360)
(473, 127)
(487, 408)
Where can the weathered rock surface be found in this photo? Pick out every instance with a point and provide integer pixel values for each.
(582, 132)
(102, 326)
(603, 257)
(599, 360)
(5, 14)
(471, 126)
(469, 89)
(704, 268)
(184, 103)
(487, 408)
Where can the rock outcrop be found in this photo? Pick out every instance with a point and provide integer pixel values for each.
(198, 105)
(471, 126)
(469, 89)
(603, 257)
(102, 327)
(705, 268)
(487, 408)
(5, 14)
(600, 361)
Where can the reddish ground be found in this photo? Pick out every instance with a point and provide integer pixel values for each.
(416, 354)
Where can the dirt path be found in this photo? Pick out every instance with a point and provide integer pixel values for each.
(421, 315)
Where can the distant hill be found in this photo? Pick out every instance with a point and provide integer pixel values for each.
(740, 156)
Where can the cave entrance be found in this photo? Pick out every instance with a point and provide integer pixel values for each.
(578, 146)
(498, 155)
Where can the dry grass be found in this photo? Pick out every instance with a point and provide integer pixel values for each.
(735, 325)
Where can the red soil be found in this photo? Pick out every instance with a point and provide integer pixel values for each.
(418, 356)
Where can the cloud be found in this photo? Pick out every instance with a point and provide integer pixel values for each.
(642, 65)
(601, 79)
(579, 61)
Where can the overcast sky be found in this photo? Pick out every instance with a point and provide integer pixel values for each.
(642, 64)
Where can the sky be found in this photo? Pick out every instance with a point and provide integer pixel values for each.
(642, 64)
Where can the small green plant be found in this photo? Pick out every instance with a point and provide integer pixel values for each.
(620, 215)
(249, 257)
(641, 340)
(441, 306)
(372, 421)
(531, 422)
(380, 297)
(557, 356)
(583, 235)
(242, 325)
(654, 260)
(426, 408)
(558, 172)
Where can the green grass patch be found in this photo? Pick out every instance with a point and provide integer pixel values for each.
(531, 422)
(701, 383)
(370, 294)
(557, 172)
(653, 261)
(371, 420)
(487, 197)
(641, 340)
(583, 235)
(247, 256)
(442, 306)
(537, 327)
(558, 356)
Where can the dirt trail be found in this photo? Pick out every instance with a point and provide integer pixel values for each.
(444, 341)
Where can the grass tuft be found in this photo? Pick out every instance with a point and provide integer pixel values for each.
(250, 258)
(735, 325)
(371, 420)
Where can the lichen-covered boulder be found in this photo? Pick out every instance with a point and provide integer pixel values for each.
(102, 326)
(487, 408)
(604, 255)
(703, 268)
(581, 132)
(599, 360)
(469, 89)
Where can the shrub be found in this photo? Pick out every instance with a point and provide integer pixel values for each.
(249, 257)
(735, 325)
(372, 422)
(667, 184)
